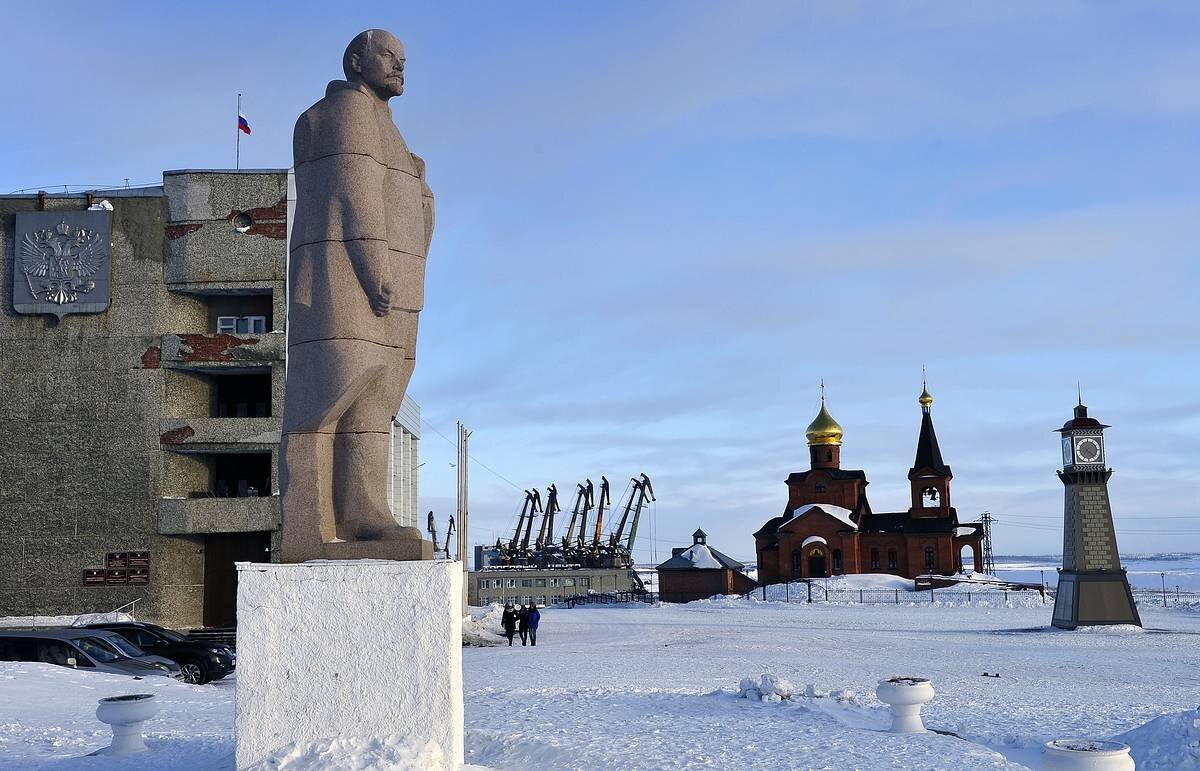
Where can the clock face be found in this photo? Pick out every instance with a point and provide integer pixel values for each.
(1087, 449)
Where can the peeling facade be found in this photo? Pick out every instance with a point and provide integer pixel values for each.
(142, 441)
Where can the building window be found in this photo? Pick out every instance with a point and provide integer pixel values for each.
(526, 600)
(497, 583)
(568, 582)
(526, 582)
(819, 487)
(241, 325)
(829, 456)
(874, 559)
(585, 581)
(554, 582)
(539, 582)
(929, 498)
(837, 560)
(893, 562)
(797, 563)
(541, 600)
(511, 583)
(930, 558)
(483, 583)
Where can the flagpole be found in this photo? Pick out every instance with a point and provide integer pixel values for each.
(237, 148)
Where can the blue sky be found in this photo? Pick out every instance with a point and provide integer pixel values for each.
(660, 225)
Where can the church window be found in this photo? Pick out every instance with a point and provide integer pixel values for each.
(829, 456)
(797, 562)
(874, 559)
(819, 487)
(893, 562)
(930, 558)
(929, 498)
(837, 560)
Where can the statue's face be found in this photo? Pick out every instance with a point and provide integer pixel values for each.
(381, 66)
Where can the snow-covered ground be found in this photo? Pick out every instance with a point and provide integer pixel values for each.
(655, 688)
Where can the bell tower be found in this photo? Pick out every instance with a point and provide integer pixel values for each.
(1092, 586)
(929, 478)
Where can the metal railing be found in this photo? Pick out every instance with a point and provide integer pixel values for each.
(812, 591)
(815, 591)
(609, 598)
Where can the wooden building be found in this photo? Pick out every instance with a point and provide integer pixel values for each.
(828, 528)
(700, 571)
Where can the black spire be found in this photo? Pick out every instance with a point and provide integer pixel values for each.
(928, 453)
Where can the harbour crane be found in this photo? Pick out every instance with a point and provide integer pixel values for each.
(545, 537)
(600, 503)
(579, 512)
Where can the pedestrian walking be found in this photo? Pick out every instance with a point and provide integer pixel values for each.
(523, 624)
(532, 617)
(509, 621)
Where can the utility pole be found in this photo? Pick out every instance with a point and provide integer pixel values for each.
(989, 563)
(462, 508)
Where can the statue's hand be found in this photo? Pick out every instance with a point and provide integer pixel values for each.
(381, 301)
(370, 261)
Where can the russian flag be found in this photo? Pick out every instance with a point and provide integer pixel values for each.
(243, 125)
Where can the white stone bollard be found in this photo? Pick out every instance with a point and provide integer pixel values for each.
(906, 696)
(1086, 755)
(125, 714)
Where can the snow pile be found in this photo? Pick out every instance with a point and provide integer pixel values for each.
(1171, 741)
(364, 753)
(48, 621)
(1109, 629)
(701, 557)
(767, 688)
(481, 628)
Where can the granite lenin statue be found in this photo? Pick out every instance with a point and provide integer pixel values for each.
(356, 272)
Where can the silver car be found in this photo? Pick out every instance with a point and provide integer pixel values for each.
(89, 650)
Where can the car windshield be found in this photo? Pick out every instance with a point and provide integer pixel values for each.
(99, 649)
(172, 636)
(124, 646)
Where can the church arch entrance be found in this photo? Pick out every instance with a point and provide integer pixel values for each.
(816, 564)
(966, 559)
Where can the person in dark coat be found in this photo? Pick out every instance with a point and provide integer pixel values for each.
(530, 621)
(523, 623)
(509, 621)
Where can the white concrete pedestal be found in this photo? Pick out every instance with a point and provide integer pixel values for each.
(349, 649)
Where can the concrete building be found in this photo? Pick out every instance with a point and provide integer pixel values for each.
(140, 442)
(700, 571)
(139, 458)
(544, 586)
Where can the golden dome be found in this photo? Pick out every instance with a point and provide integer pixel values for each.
(824, 429)
(925, 399)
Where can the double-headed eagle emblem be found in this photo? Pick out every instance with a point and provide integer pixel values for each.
(58, 261)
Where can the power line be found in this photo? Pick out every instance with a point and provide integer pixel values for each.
(498, 475)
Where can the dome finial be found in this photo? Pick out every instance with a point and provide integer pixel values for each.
(824, 429)
(925, 399)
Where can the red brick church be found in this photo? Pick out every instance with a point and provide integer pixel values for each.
(828, 527)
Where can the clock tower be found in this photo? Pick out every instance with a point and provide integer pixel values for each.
(1092, 586)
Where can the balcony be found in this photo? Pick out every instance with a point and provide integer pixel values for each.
(186, 516)
(215, 350)
(218, 434)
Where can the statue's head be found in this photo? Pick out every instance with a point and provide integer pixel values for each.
(375, 58)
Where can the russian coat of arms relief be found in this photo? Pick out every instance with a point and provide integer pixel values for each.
(62, 262)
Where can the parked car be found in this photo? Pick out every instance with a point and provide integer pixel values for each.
(83, 649)
(201, 662)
